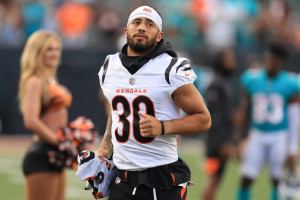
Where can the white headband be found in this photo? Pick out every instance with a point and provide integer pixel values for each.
(148, 12)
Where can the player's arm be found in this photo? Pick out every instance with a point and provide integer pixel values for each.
(106, 148)
(293, 129)
(191, 102)
(32, 111)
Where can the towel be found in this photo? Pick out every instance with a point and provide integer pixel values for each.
(98, 175)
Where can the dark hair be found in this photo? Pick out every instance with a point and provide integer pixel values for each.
(279, 50)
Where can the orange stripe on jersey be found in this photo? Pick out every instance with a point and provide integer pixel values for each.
(183, 193)
(89, 178)
(98, 195)
(85, 154)
(108, 165)
(126, 176)
(173, 178)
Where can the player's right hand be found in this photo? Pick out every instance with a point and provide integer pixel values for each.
(149, 125)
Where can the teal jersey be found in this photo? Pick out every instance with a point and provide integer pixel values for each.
(269, 98)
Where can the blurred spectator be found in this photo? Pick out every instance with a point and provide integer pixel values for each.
(220, 32)
(200, 10)
(297, 36)
(274, 22)
(193, 25)
(109, 23)
(10, 24)
(33, 13)
(106, 27)
(245, 27)
(50, 22)
(74, 20)
(2, 10)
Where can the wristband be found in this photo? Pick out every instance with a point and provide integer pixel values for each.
(162, 128)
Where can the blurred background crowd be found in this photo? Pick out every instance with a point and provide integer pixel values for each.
(192, 25)
(90, 29)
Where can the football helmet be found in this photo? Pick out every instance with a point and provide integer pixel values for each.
(289, 186)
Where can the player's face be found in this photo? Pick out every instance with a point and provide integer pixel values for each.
(273, 64)
(229, 61)
(142, 35)
(51, 57)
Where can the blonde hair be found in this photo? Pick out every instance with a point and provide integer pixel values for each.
(32, 62)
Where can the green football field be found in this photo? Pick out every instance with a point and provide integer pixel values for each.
(12, 179)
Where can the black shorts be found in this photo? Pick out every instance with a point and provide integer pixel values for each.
(214, 158)
(124, 191)
(214, 166)
(165, 179)
(37, 159)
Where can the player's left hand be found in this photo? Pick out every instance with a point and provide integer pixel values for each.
(149, 125)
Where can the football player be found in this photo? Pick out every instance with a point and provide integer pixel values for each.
(271, 103)
(146, 84)
(220, 102)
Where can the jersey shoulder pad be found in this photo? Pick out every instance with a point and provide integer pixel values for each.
(249, 75)
(179, 72)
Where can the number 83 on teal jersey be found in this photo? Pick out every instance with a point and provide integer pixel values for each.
(269, 98)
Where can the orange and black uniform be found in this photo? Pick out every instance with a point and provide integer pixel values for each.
(59, 97)
(36, 158)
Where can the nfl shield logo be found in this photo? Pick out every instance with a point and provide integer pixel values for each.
(131, 81)
(118, 180)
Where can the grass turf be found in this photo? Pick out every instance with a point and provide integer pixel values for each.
(12, 180)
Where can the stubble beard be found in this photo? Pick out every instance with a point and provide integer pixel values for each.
(138, 46)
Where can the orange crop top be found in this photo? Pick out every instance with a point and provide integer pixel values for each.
(59, 97)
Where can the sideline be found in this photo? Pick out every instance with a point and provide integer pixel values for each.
(18, 143)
